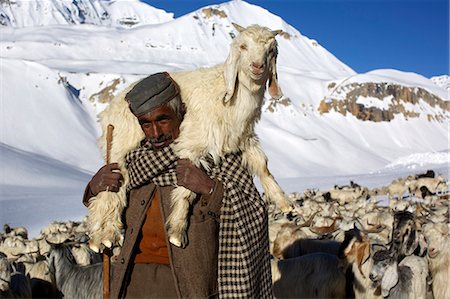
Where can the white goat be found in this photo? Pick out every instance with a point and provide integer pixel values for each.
(5, 273)
(438, 238)
(15, 231)
(434, 185)
(405, 280)
(397, 188)
(223, 105)
(347, 194)
(15, 246)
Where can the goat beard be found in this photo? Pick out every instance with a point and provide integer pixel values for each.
(254, 85)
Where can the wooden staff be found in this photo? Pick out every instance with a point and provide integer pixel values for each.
(106, 251)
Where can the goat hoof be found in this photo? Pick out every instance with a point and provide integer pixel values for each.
(107, 243)
(286, 209)
(94, 248)
(175, 241)
(179, 241)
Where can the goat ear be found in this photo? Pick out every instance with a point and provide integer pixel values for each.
(230, 73)
(389, 280)
(362, 254)
(274, 88)
(366, 252)
(376, 247)
(422, 246)
(238, 27)
(412, 247)
(349, 250)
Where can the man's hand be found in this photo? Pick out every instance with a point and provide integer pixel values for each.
(193, 178)
(107, 178)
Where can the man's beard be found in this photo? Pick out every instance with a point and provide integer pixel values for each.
(161, 139)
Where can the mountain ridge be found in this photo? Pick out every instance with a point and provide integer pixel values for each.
(86, 65)
(19, 13)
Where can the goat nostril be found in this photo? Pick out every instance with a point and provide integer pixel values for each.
(257, 65)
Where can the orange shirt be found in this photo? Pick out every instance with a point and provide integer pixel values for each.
(153, 246)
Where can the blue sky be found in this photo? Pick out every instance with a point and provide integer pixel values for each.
(407, 35)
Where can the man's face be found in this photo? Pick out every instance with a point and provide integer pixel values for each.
(161, 126)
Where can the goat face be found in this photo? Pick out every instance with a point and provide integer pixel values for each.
(437, 237)
(382, 260)
(404, 234)
(253, 59)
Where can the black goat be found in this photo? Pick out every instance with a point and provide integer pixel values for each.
(73, 280)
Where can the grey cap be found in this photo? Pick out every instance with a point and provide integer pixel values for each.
(151, 92)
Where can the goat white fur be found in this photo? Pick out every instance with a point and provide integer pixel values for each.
(5, 272)
(438, 238)
(397, 188)
(406, 280)
(437, 184)
(223, 105)
(348, 194)
(15, 246)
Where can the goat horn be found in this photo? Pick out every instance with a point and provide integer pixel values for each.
(360, 227)
(23, 253)
(323, 230)
(309, 221)
(66, 241)
(238, 27)
(276, 32)
(377, 229)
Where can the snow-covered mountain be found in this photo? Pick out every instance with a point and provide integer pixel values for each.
(442, 81)
(63, 61)
(120, 13)
(328, 119)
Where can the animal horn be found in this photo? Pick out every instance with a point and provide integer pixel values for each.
(376, 229)
(323, 230)
(309, 221)
(276, 32)
(239, 28)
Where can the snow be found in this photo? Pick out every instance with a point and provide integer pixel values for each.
(375, 102)
(52, 71)
(442, 81)
(116, 13)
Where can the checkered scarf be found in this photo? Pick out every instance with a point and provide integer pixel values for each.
(244, 260)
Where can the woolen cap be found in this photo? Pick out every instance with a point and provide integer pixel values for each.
(151, 92)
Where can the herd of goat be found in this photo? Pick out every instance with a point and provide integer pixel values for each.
(340, 243)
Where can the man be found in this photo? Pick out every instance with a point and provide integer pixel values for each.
(148, 265)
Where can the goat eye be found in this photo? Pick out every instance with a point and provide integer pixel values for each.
(243, 47)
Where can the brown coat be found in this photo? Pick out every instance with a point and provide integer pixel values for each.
(194, 268)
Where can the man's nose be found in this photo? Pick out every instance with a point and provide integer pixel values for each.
(156, 130)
